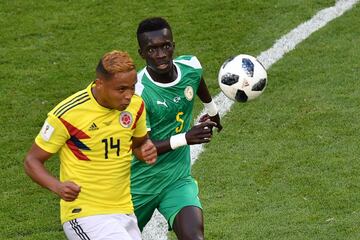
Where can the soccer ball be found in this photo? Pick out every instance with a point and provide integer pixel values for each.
(242, 78)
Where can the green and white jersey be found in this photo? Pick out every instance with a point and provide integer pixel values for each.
(169, 111)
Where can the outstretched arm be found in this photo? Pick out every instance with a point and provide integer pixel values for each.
(204, 95)
(34, 167)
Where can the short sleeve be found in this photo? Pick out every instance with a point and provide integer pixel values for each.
(52, 135)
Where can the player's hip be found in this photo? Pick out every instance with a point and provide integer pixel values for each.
(109, 226)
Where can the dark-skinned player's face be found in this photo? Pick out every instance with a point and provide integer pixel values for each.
(157, 48)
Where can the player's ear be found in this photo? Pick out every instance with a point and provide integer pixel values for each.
(99, 83)
(141, 53)
(173, 45)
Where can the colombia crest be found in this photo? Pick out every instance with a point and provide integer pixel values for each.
(126, 119)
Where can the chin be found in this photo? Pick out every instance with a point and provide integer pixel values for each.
(122, 108)
(158, 70)
(163, 70)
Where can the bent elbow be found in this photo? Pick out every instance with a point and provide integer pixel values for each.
(27, 165)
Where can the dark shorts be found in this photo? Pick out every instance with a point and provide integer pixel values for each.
(184, 192)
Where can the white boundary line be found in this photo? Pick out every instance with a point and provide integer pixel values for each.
(156, 229)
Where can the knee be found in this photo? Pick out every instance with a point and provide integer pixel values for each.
(189, 224)
(193, 233)
(193, 236)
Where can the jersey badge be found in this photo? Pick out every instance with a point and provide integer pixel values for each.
(189, 93)
(46, 131)
(126, 119)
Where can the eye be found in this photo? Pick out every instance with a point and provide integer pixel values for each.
(123, 89)
(131, 88)
(151, 50)
(167, 46)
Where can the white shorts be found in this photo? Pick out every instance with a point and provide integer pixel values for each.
(103, 227)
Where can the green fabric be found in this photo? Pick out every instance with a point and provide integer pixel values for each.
(169, 202)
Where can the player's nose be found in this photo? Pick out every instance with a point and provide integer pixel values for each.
(128, 94)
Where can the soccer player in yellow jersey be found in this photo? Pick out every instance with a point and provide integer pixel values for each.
(95, 131)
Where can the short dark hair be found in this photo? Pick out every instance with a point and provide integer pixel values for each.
(152, 24)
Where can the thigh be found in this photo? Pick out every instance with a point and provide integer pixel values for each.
(129, 221)
(182, 194)
(144, 206)
(103, 227)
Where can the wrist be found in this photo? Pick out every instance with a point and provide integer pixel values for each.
(211, 108)
(55, 187)
(178, 140)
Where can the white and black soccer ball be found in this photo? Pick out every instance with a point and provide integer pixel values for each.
(242, 78)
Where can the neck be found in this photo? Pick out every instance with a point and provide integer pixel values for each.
(98, 98)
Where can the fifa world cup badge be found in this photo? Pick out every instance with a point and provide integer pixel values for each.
(189, 93)
(126, 119)
(46, 131)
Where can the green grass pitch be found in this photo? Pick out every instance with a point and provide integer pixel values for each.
(285, 166)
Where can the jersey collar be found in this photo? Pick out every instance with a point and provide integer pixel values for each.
(170, 84)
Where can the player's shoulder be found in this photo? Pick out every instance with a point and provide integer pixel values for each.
(136, 100)
(137, 105)
(141, 73)
(139, 86)
(70, 103)
(189, 60)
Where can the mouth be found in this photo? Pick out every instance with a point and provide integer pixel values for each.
(123, 106)
(163, 65)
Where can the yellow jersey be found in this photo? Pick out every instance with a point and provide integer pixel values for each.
(94, 146)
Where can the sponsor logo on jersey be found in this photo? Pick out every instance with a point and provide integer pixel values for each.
(93, 127)
(126, 119)
(189, 93)
(162, 103)
(46, 131)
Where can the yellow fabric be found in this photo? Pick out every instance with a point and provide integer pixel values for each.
(87, 137)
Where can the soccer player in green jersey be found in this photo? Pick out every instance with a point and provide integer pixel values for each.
(168, 87)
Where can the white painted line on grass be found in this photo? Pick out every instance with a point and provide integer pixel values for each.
(156, 229)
